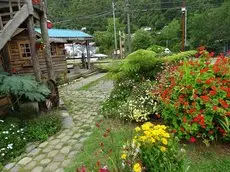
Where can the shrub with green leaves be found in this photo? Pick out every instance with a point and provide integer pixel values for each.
(142, 40)
(22, 87)
(40, 128)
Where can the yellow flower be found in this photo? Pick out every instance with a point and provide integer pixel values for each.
(137, 129)
(137, 167)
(164, 141)
(163, 149)
(123, 156)
(147, 126)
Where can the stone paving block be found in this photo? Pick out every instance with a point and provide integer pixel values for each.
(52, 167)
(59, 145)
(52, 153)
(55, 142)
(42, 145)
(37, 169)
(15, 169)
(30, 165)
(40, 157)
(65, 150)
(59, 158)
(66, 163)
(25, 161)
(60, 170)
(45, 161)
(9, 166)
(34, 152)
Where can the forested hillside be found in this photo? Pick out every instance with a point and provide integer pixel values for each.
(207, 19)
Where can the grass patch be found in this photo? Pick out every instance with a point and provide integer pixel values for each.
(93, 83)
(90, 155)
(215, 158)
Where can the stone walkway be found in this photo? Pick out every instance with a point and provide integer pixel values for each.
(58, 151)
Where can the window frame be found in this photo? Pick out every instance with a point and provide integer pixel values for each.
(20, 49)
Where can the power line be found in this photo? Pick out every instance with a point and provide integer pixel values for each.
(86, 17)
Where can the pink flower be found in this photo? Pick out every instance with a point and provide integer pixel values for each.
(192, 139)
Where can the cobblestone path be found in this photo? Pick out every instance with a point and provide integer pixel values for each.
(58, 151)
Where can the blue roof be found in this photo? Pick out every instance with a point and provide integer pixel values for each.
(65, 33)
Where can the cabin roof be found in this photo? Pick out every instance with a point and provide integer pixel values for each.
(67, 34)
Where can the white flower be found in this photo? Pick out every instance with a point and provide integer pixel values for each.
(1, 121)
(3, 154)
(6, 137)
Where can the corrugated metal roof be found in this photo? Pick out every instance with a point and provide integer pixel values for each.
(65, 33)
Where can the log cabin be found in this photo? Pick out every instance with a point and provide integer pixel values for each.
(20, 59)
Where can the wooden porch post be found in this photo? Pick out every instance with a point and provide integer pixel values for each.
(34, 54)
(88, 54)
(45, 37)
(6, 59)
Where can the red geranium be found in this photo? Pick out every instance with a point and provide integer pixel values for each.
(192, 139)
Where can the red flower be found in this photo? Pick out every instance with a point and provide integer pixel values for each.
(227, 113)
(210, 132)
(215, 108)
(174, 131)
(204, 70)
(212, 93)
(223, 103)
(211, 54)
(184, 120)
(192, 139)
(108, 130)
(98, 163)
(104, 169)
(82, 169)
(105, 134)
(205, 98)
(97, 125)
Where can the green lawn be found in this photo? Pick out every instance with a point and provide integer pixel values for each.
(215, 158)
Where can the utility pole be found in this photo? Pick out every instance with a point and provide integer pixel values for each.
(184, 26)
(128, 26)
(121, 43)
(114, 23)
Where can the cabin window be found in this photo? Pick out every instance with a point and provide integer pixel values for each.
(53, 49)
(25, 49)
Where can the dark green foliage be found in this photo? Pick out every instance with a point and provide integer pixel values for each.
(24, 127)
(22, 87)
(12, 139)
(40, 128)
(139, 65)
(142, 40)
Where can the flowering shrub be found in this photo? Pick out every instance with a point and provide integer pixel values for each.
(140, 104)
(12, 140)
(153, 149)
(195, 96)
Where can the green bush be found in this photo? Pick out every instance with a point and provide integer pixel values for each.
(142, 40)
(40, 128)
(140, 65)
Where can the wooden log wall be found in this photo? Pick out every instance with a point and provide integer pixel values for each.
(23, 65)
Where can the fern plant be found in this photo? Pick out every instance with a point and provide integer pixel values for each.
(22, 87)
